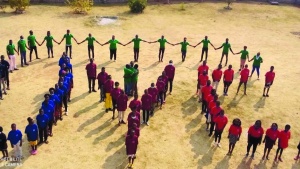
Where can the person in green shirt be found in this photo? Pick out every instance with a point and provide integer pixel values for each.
(90, 40)
(205, 42)
(32, 46)
(226, 47)
(136, 47)
(68, 38)
(128, 73)
(10, 50)
(162, 43)
(113, 47)
(135, 79)
(22, 50)
(49, 43)
(257, 60)
(244, 56)
(184, 45)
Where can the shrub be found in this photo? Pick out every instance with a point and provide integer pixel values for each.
(80, 6)
(137, 6)
(19, 5)
(182, 6)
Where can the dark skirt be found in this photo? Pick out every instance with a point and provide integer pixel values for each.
(269, 143)
(3, 146)
(253, 140)
(233, 139)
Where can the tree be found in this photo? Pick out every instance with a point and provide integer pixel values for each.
(229, 2)
(19, 5)
(80, 6)
(137, 6)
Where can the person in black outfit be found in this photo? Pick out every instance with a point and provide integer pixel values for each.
(3, 144)
(6, 71)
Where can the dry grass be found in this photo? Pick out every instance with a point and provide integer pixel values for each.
(176, 138)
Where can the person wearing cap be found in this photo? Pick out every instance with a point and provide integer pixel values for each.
(91, 71)
(32, 135)
(170, 72)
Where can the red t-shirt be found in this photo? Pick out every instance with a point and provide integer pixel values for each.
(284, 139)
(270, 77)
(217, 74)
(235, 130)
(170, 71)
(244, 75)
(214, 112)
(203, 79)
(202, 68)
(228, 75)
(211, 105)
(272, 134)
(153, 92)
(91, 70)
(209, 98)
(256, 133)
(221, 122)
(206, 91)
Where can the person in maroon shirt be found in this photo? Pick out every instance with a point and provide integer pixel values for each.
(131, 147)
(91, 70)
(211, 104)
(115, 93)
(136, 130)
(244, 79)
(152, 90)
(165, 78)
(146, 106)
(269, 81)
(270, 139)
(228, 78)
(108, 87)
(122, 106)
(170, 72)
(160, 85)
(133, 117)
(135, 103)
(255, 134)
(102, 77)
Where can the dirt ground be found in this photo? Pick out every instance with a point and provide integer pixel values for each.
(176, 137)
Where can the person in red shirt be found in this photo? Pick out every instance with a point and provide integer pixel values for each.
(228, 78)
(91, 70)
(283, 141)
(202, 81)
(214, 113)
(269, 81)
(165, 78)
(108, 87)
(146, 106)
(152, 90)
(115, 93)
(131, 143)
(211, 104)
(170, 72)
(135, 103)
(298, 155)
(216, 77)
(221, 121)
(244, 79)
(255, 134)
(205, 90)
(270, 139)
(122, 106)
(102, 77)
(203, 68)
(234, 134)
(160, 85)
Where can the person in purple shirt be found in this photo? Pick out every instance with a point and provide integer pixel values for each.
(131, 143)
(102, 77)
(31, 131)
(49, 110)
(122, 106)
(91, 71)
(133, 117)
(42, 121)
(152, 90)
(165, 80)
(15, 138)
(170, 72)
(115, 93)
(146, 106)
(160, 85)
(63, 87)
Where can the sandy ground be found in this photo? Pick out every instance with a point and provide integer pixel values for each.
(176, 137)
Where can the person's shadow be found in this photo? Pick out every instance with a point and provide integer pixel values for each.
(260, 104)
(224, 163)
(234, 102)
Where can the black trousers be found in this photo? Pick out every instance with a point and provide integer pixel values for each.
(212, 127)
(226, 86)
(43, 134)
(204, 50)
(65, 101)
(113, 54)
(183, 55)
(67, 48)
(33, 48)
(146, 114)
(102, 93)
(114, 104)
(218, 135)
(91, 81)
(161, 97)
(50, 50)
(91, 49)
(7, 78)
(171, 84)
(204, 105)
(50, 124)
(136, 54)
(161, 54)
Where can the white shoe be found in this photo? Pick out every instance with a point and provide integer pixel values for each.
(147, 123)
(219, 145)
(66, 113)
(215, 144)
(142, 122)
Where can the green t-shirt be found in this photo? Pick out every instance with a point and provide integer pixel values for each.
(205, 43)
(68, 39)
(113, 44)
(31, 40)
(257, 60)
(49, 41)
(127, 75)
(22, 45)
(136, 43)
(184, 45)
(90, 41)
(226, 47)
(244, 54)
(10, 49)
(162, 43)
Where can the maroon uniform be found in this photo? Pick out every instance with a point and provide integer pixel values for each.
(146, 102)
(122, 102)
(137, 104)
(131, 144)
